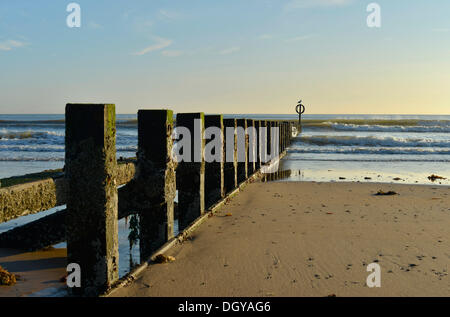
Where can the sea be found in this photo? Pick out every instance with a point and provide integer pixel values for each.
(402, 149)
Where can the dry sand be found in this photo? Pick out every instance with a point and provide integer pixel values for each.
(312, 239)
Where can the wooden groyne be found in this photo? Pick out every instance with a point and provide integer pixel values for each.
(97, 189)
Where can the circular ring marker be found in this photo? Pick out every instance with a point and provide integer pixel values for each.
(300, 108)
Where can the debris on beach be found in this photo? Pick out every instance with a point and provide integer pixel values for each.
(6, 278)
(47, 249)
(341, 177)
(433, 177)
(367, 177)
(228, 214)
(162, 258)
(397, 179)
(382, 193)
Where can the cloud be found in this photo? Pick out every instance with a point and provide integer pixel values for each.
(94, 25)
(441, 30)
(300, 4)
(168, 15)
(11, 44)
(265, 37)
(300, 38)
(171, 53)
(159, 45)
(230, 50)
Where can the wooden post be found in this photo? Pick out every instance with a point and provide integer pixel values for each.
(263, 142)
(214, 171)
(230, 165)
(92, 203)
(269, 140)
(279, 125)
(155, 178)
(257, 145)
(251, 152)
(191, 173)
(242, 150)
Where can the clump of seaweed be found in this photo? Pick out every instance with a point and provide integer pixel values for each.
(162, 258)
(433, 177)
(382, 193)
(7, 278)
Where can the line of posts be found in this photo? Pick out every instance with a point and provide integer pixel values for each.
(91, 165)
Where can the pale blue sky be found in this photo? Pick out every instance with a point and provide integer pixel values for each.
(233, 56)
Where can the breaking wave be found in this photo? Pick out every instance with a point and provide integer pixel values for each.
(374, 141)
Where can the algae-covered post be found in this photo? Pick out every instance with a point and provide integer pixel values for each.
(155, 176)
(262, 143)
(242, 150)
(230, 165)
(251, 152)
(215, 157)
(269, 125)
(257, 144)
(91, 221)
(191, 170)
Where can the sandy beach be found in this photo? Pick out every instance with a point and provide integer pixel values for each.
(312, 239)
(39, 272)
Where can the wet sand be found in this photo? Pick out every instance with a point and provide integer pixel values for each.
(312, 239)
(40, 272)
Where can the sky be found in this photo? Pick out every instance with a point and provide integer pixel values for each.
(226, 56)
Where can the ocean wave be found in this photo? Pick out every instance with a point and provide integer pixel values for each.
(14, 135)
(31, 159)
(32, 122)
(370, 150)
(402, 160)
(383, 128)
(384, 122)
(375, 141)
(52, 148)
(380, 126)
(32, 148)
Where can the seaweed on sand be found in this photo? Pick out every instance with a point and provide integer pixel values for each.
(6, 278)
(382, 193)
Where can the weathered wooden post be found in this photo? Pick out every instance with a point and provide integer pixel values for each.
(251, 153)
(155, 180)
(279, 125)
(290, 127)
(257, 144)
(269, 153)
(242, 150)
(288, 135)
(230, 165)
(214, 165)
(263, 143)
(191, 171)
(92, 203)
(282, 134)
